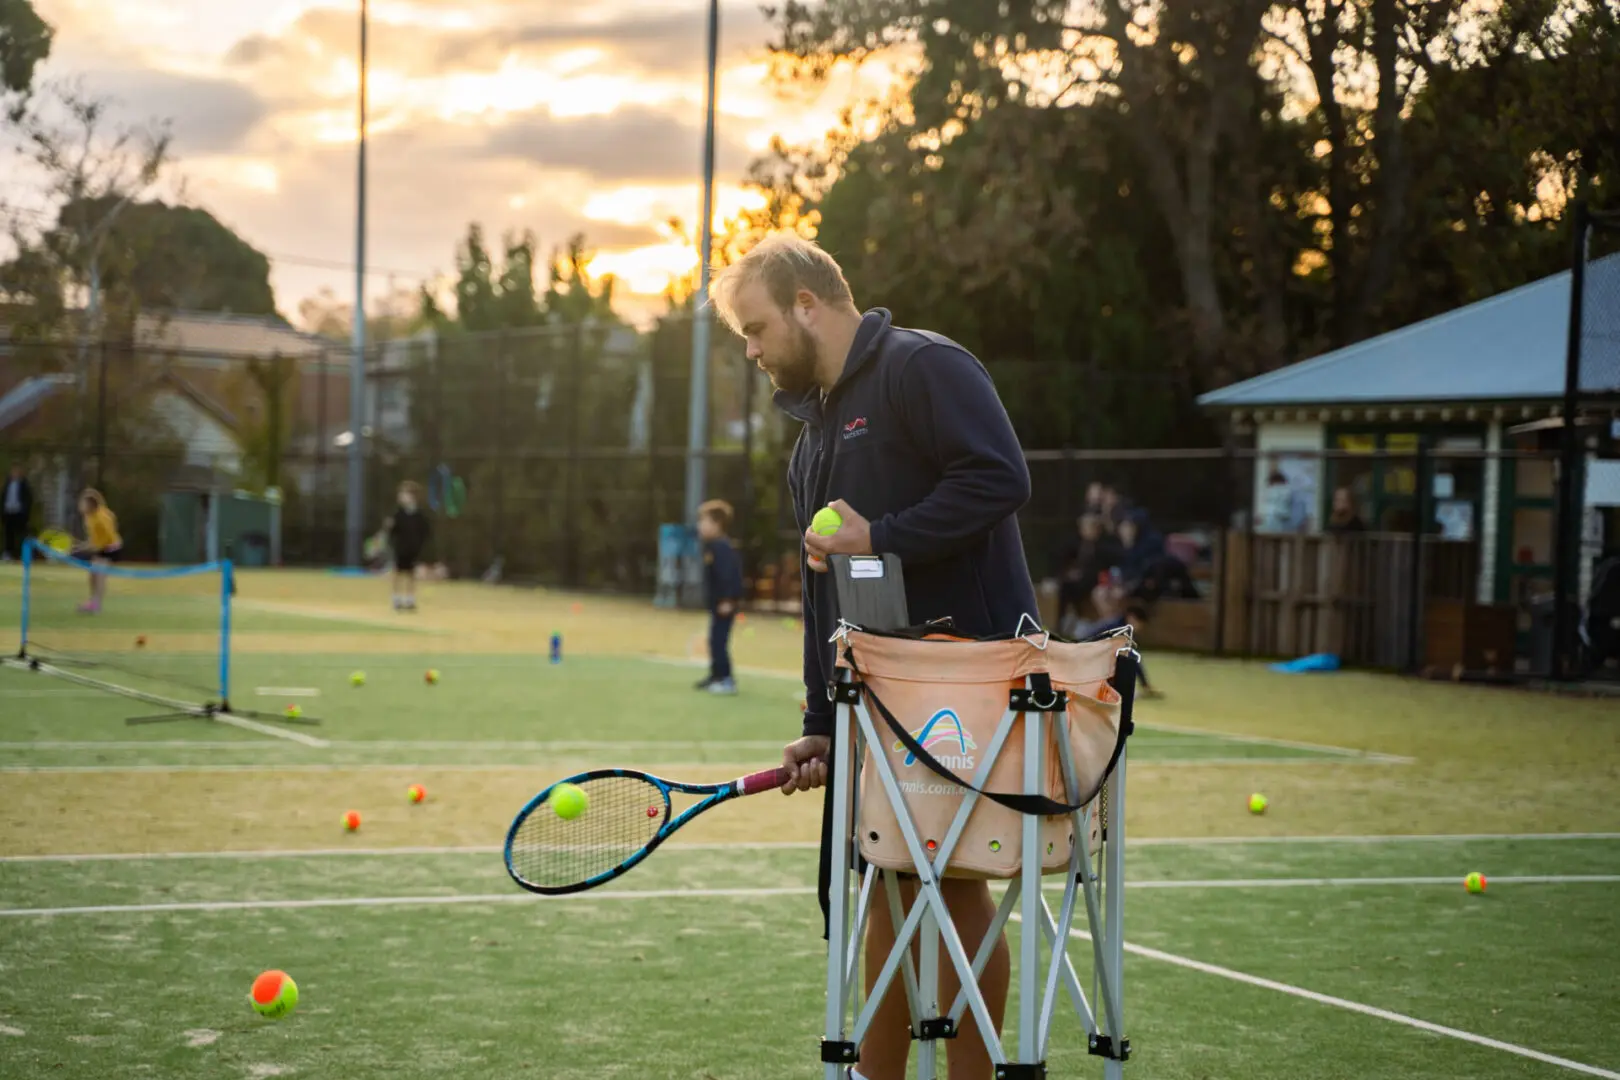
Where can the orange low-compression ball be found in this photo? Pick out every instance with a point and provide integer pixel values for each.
(416, 793)
(351, 820)
(274, 994)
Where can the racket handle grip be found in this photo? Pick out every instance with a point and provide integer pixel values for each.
(754, 783)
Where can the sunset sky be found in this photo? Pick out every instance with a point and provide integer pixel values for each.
(554, 115)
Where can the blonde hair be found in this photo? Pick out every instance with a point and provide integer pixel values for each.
(720, 511)
(785, 262)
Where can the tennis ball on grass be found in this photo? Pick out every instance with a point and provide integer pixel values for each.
(1258, 803)
(432, 676)
(294, 712)
(416, 793)
(274, 994)
(358, 679)
(1475, 882)
(140, 641)
(568, 800)
(351, 820)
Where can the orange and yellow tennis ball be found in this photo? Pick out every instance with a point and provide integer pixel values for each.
(294, 712)
(274, 994)
(416, 793)
(1475, 882)
(431, 676)
(351, 820)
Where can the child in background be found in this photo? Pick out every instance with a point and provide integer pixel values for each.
(102, 547)
(408, 535)
(722, 590)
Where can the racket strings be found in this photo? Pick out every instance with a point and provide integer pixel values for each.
(622, 815)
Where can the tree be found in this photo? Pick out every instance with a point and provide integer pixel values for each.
(263, 395)
(25, 42)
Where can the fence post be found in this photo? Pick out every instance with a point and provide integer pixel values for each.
(1414, 603)
(1567, 523)
(1223, 541)
(101, 420)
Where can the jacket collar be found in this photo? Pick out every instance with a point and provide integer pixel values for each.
(807, 407)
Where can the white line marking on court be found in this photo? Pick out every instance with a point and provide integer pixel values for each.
(265, 729)
(401, 901)
(1356, 1007)
(287, 691)
(293, 853)
(1263, 740)
(328, 616)
(1390, 838)
(64, 692)
(295, 767)
(785, 845)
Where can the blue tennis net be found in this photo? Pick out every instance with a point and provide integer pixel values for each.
(158, 634)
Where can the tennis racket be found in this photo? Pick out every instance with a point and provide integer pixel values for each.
(626, 816)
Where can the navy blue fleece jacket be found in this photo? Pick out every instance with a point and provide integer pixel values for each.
(915, 439)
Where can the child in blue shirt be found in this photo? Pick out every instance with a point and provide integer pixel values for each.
(722, 591)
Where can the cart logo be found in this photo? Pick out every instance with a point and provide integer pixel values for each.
(945, 738)
(856, 427)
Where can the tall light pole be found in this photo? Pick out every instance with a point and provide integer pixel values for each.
(697, 424)
(357, 362)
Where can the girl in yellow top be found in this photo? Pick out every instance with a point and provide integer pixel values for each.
(104, 545)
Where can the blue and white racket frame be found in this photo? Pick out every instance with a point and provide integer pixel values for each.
(28, 658)
(1094, 884)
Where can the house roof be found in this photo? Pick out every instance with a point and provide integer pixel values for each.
(214, 334)
(1510, 347)
(24, 399)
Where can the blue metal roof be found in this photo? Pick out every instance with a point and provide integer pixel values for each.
(29, 395)
(1509, 347)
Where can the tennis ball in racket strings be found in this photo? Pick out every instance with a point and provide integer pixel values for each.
(1258, 803)
(274, 994)
(568, 801)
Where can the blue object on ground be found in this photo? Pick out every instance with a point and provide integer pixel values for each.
(1306, 664)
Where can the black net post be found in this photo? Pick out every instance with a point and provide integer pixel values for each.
(1567, 525)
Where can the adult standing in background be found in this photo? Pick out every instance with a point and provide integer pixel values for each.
(16, 505)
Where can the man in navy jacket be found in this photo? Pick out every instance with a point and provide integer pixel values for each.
(905, 437)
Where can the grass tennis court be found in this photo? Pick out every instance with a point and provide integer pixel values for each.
(151, 871)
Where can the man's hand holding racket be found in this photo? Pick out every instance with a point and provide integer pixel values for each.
(806, 760)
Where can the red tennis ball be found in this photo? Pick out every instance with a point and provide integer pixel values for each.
(416, 792)
(351, 820)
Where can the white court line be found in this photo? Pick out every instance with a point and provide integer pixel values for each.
(64, 692)
(287, 691)
(265, 729)
(1263, 740)
(1356, 1007)
(785, 845)
(1387, 838)
(423, 766)
(329, 616)
(293, 853)
(399, 901)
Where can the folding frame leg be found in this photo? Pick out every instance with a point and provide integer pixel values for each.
(837, 1051)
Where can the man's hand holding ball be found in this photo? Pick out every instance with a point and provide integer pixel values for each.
(836, 530)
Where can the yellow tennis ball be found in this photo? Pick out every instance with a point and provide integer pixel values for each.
(358, 678)
(826, 522)
(416, 792)
(1475, 882)
(568, 801)
(1258, 803)
(274, 994)
(432, 676)
(294, 712)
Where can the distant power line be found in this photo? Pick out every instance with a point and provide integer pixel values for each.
(339, 264)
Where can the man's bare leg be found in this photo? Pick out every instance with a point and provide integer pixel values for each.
(973, 910)
(888, 1040)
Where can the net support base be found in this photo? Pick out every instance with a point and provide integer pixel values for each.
(1093, 885)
